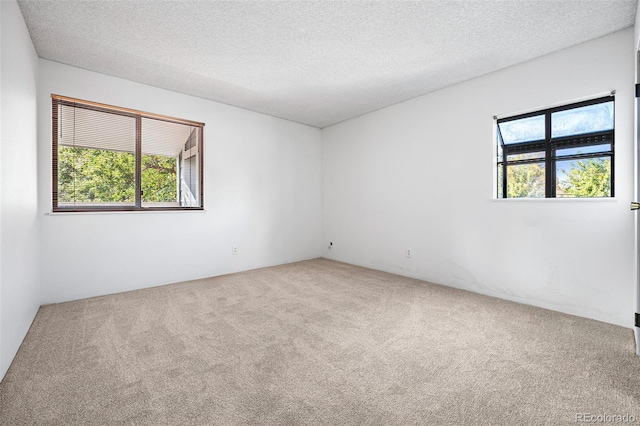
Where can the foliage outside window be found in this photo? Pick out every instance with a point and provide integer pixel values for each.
(111, 158)
(563, 152)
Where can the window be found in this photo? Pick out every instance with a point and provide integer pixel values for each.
(112, 158)
(563, 152)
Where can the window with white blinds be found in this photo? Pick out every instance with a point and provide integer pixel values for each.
(113, 158)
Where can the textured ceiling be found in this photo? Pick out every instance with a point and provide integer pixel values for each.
(314, 62)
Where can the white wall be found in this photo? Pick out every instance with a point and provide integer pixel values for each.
(420, 175)
(262, 193)
(18, 185)
(637, 29)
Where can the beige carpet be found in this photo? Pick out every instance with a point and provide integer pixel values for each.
(315, 343)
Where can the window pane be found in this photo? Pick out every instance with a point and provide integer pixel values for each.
(584, 150)
(523, 130)
(588, 177)
(527, 156)
(95, 177)
(587, 119)
(525, 181)
(162, 144)
(96, 160)
(500, 195)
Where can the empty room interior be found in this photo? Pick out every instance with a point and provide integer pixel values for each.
(318, 212)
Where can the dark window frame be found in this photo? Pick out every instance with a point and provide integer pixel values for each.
(550, 145)
(138, 116)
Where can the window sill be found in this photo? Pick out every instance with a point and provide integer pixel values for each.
(106, 212)
(570, 200)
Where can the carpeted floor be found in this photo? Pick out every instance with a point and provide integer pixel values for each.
(315, 343)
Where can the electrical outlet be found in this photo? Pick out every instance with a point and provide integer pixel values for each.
(409, 252)
(234, 249)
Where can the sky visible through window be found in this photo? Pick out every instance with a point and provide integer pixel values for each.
(576, 121)
(524, 130)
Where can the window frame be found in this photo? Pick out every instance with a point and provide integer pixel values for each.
(138, 116)
(549, 145)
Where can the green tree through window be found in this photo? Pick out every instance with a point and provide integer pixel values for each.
(103, 176)
(95, 175)
(159, 178)
(588, 178)
(525, 181)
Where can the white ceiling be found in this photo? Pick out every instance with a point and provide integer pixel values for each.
(314, 62)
